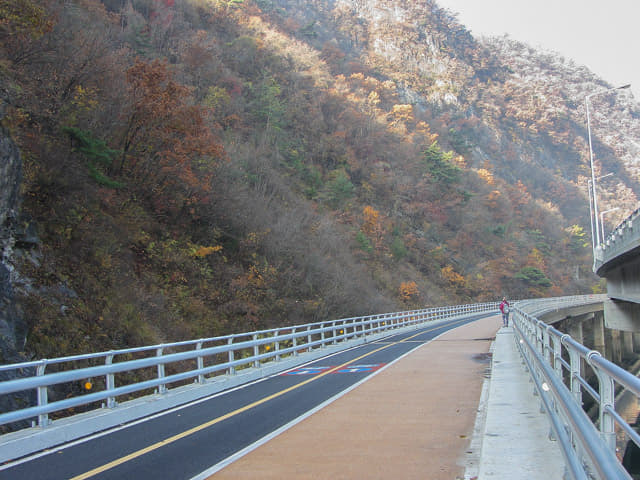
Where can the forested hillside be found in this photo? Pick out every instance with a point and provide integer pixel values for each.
(195, 168)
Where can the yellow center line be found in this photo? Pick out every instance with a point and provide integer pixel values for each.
(226, 416)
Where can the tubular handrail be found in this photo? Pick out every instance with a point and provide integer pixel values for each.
(554, 360)
(371, 318)
(203, 357)
(573, 463)
(561, 385)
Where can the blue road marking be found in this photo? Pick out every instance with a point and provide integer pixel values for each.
(307, 371)
(347, 369)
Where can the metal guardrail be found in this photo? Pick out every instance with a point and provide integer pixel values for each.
(557, 366)
(156, 369)
(623, 237)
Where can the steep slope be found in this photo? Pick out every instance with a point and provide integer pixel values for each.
(501, 96)
(200, 168)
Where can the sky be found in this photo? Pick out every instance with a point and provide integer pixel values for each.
(603, 35)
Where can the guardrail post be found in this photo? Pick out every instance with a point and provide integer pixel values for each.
(276, 346)
(110, 382)
(162, 388)
(539, 339)
(43, 397)
(557, 356)
(576, 372)
(546, 345)
(200, 363)
(256, 351)
(232, 370)
(309, 338)
(295, 342)
(607, 400)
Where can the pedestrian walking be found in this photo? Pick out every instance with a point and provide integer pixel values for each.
(504, 308)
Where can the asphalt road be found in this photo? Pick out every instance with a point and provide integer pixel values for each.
(202, 436)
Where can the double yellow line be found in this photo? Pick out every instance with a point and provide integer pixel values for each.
(191, 431)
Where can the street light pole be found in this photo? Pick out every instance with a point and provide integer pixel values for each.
(602, 214)
(590, 193)
(593, 173)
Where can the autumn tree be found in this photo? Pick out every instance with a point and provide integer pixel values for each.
(454, 279)
(165, 143)
(372, 226)
(577, 238)
(199, 58)
(20, 18)
(401, 116)
(22, 22)
(408, 291)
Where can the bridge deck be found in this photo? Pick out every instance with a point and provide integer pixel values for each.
(416, 419)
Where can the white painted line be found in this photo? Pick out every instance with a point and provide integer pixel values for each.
(241, 453)
(88, 438)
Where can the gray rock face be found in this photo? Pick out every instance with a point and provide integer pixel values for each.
(11, 235)
(10, 176)
(10, 180)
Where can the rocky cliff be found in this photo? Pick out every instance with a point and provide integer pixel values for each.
(10, 179)
(15, 239)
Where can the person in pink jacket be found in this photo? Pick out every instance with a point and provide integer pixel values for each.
(504, 308)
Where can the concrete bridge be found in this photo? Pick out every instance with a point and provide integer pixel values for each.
(440, 394)
(617, 260)
(587, 324)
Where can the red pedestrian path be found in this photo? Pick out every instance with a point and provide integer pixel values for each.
(411, 420)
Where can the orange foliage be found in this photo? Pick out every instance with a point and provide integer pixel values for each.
(486, 175)
(519, 196)
(372, 225)
(493, 199)
(205, 251)
(408, 290)
(371, 220)
(402, 113)
(424, 129)
(454, 278)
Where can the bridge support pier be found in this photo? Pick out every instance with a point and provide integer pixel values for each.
(621, 315)
(615, 343)
(598, 334)
(627, 344)
(575, 330)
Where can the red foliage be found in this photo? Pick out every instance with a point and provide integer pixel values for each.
(167, 147)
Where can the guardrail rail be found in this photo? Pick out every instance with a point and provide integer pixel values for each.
(101, 380)
(558, 365)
